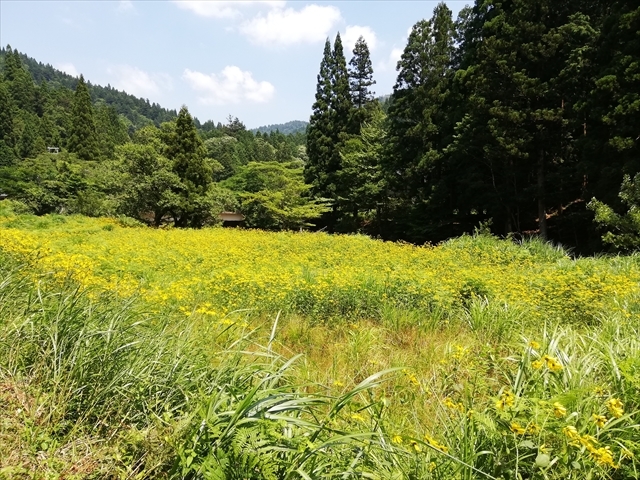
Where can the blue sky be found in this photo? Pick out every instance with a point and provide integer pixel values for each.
(255, 60)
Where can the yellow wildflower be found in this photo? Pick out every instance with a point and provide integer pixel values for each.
(600, 420)
(537, 364)
(535, 345)
(615, 407)
(453, 405)
(603, 457)
(416, 446)
(507, 399)
(533, 429)
(552, 364)
(559, 410)
(571, 432)
(517, 429)
(435, 444)
(460, 352)
(588, 441)
(396, 439)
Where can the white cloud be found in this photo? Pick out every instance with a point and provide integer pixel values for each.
(391, 62)
(354, 32)
(125, 5)
(232, 85)
(68, 68)
(287, 26)
(223, 8)
(138, 82)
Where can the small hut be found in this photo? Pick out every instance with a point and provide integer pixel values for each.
(231, 219)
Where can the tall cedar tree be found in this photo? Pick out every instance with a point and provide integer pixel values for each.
(83, 139)
(186, 150)
(319, 143)
(360, 81)
(341, 114)
(417, 120)
(328, 128)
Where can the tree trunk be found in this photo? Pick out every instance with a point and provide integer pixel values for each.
(542, 211)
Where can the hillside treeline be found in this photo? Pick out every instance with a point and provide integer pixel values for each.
(162, 167)
(514, 115)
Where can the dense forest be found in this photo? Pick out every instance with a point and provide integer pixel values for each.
(519, 117)
(515, 115)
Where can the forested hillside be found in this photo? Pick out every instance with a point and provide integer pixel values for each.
(518, 117)
(161, 167)
(515, 114)
(137, 111)
(293, 126)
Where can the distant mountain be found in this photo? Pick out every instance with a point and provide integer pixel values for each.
(293, 126)
(138, 110)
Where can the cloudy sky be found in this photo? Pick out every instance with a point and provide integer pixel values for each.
(257, 60)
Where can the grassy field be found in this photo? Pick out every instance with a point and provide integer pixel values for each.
(128, 352)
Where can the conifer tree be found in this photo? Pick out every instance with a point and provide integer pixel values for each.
(418, 119)
(319, 133)
(7, 136)
(361, 74)
(19, 81)
(83, 138)
(186, 151)
(360, 81)
(341, 103)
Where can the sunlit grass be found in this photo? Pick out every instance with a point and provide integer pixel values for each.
(130, 352)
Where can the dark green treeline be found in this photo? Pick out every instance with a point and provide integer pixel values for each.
(515, 114)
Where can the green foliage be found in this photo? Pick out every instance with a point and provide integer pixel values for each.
(83, 139)
(274, 196)
(184, 148)
(294, 126)
(623, 231)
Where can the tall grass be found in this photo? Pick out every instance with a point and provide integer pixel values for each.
(94, 388)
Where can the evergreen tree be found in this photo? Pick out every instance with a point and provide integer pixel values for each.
(610, 141)
(187, 153)
(319, 132)
(360, 81)
(7, 135)
(19, 81)
(83, 138)
(514, 143)
(361, 75)
(341, 103)
(418, 120)
(111, 129)
(362, 171)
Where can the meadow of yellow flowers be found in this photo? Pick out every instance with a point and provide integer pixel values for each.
(216, 271)
(529, 365)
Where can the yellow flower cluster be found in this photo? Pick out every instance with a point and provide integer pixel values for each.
(507, 399)
(602, 455)
(453, 405)
(212, 272)
(615, 407)
(559, 410)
